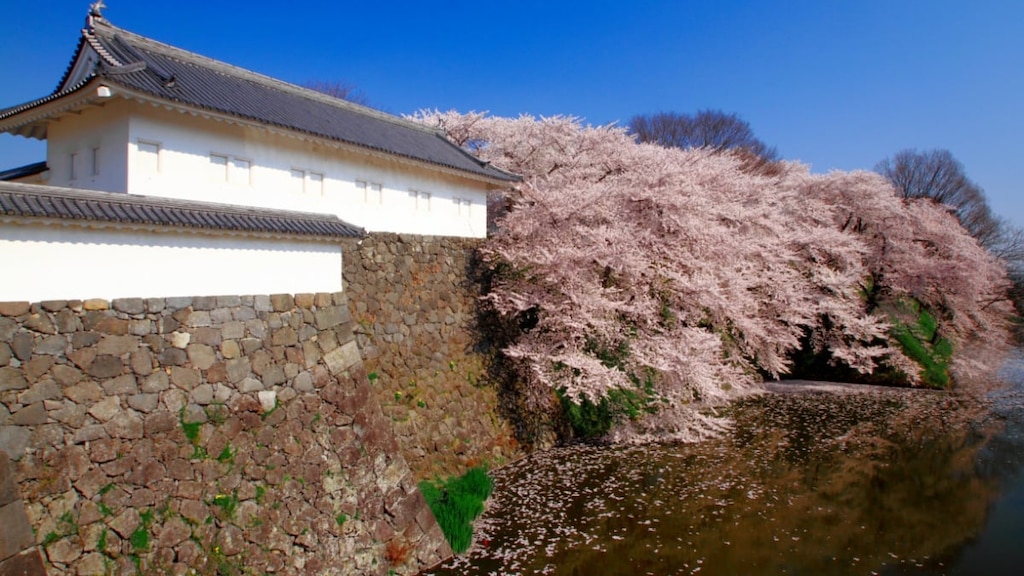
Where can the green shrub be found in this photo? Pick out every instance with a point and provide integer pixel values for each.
(456, 502)
(589, 419)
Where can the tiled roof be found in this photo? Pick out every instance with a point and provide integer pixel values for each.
(167, 73)
(23, 171)
(37, 201)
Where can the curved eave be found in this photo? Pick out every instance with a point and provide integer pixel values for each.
(31, 119)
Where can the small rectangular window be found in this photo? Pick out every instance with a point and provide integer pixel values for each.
(96, 161)
(149, 157)
(462, 206)
(241, 172)
(373, 193)
(298, 182)
(315, 184)
(420, 200)
(218, 168)
(72, 166)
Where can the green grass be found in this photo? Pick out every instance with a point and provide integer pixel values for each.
(228, 503)
(456, 502)
(921, 343)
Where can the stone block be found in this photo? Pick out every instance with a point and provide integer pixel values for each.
(185, 378)
(12, 379)
(180, 339)
(92, 564)
(327, 318)
(126, 522)
(282, 302)
(124, 384)
(46, 389)
(204, 303)
(127, 424)
(40, 323)
(129, 305)
(202, 394)
(178, 302)
(141, 362)
(17, 533)
(173, 357)
(65, 375)
(8, 489)
(68, 321)
(144, 403)
(55, 345)
(229, 301)
(26, 563)
(267, 400)
(105, 366)
(229, 349)
(21, 345)
(14, 440)
(86, 392)
(14, 308)
(95, 304)
(116, 345)
(141, 327)
(233, 330)
(33, 415)
(156, 382)
(160, 422)
(206, 335)
(342, 358)
(80, 340)
(199, 318)
(110, 325)
(238, 369)
(36, 367)
(201, 356)
(106, 409)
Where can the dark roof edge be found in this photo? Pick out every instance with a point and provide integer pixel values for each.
(41, 201)
(23, 171)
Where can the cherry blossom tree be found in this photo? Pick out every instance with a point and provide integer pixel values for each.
(686, 276)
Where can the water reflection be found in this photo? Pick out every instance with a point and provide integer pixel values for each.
(888, 482)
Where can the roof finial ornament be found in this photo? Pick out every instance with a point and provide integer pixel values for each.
(96, 7)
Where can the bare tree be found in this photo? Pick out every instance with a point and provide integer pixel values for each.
(338, 89)
(937, 175)
(712, 129)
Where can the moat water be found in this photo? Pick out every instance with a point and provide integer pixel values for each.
(888, 482)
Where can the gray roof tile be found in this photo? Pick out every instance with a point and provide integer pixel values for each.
(168, 73)
(36, 201)
(23, 171)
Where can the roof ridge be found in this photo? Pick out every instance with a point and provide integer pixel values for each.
(36, 200)
(189, 57)
(136, 199)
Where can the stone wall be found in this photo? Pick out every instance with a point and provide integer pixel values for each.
(215, 434)
(19, 554)
(414, 302)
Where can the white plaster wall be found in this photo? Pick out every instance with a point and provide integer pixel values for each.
(57, 262)
(104, 128)
(186, 142)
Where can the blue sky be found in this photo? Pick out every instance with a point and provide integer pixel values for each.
(836, 84)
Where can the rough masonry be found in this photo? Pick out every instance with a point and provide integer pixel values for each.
(414, 301)
(216, 434)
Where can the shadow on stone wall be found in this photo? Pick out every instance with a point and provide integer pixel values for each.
(217, 434)
(414, 300)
